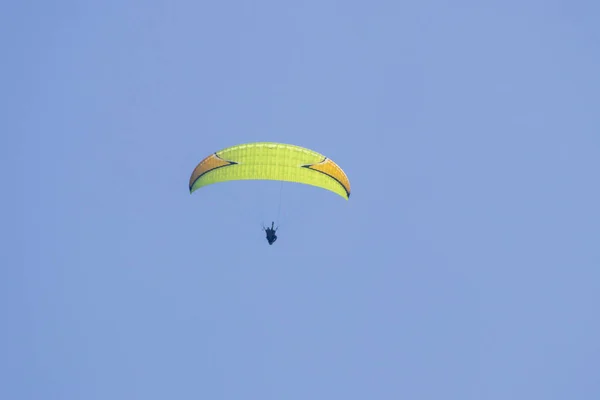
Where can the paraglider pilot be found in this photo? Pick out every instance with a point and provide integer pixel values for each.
(271, 236)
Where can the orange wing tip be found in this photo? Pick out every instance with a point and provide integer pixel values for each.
(210, 163)
(332, 170)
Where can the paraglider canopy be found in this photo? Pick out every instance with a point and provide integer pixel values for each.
(271, 161)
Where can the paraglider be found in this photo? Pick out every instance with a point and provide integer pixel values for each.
(271, 236)
(270, 161)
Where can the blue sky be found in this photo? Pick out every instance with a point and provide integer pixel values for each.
(464, 266)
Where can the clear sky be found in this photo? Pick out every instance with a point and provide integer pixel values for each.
(466, 264)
